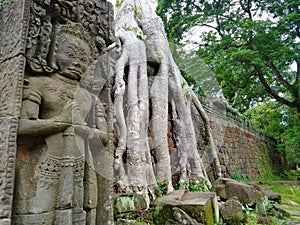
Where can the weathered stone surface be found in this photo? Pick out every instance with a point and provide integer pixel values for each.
(14, 18)
(181, 217)
(271, 195)
(129, 203)
(280, 211)
(201, 206)
(219, 186)
(246, 194)
(13, 28)
(127, 222)
(243, 151)
(41, 196)
(8, 135)
(5, 221)
(11, 77)
(232, 211)
(61, 133)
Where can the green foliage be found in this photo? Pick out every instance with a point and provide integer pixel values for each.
(162, 188)
(248, 210)
(250, 48)
(280, 123)
(238, 175)
(287, 192)
(118, 3)
(249, 45)
(137, 10)
(200, 186)
(138, 32)
(138, 217)
(292, 174)
(271, 177)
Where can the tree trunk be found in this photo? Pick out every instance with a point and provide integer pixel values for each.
(142, 155)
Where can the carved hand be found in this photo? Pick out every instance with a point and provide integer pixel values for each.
(96, 135)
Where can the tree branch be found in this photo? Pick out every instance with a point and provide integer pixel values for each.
(277, 73)
(197, 7)
(270, 90)
(298, 30)
(298, 75)
(247, 8)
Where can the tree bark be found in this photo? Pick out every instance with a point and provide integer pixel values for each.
(143, 139)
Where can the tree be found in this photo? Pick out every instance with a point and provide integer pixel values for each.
(250, 45)
(148, 91)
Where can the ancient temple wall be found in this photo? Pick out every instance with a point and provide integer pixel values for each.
(13, 33)
(243, 151)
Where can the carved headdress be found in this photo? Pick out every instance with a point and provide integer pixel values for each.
(75, 30)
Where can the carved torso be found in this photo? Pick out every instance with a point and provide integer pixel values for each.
(56, 91)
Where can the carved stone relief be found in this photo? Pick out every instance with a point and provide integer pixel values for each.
(63, 138)
(55, 173)
(13, 32)
(13, 28)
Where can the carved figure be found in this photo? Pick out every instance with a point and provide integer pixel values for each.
(56, 181)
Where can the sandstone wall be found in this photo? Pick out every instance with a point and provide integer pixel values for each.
(13, 32)
(243, 151)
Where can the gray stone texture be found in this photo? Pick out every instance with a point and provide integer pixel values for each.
(232, 211)
(13, 32)
(42, 170)
(129, 202)
(243, 151)
(246, 194)
(200, 206)
(13, 25)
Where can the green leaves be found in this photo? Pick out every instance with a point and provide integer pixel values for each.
(250, 45)
(280, 123)
(139, 33)
(119, 3)
(252, 48)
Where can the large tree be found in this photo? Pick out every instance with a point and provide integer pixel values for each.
(153, 106)
(251, 45)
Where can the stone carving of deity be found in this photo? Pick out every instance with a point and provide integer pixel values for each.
(56, 181)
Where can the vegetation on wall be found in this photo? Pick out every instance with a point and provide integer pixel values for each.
(280, 123)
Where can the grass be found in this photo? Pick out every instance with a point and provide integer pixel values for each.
(287, 192)
(291, 175)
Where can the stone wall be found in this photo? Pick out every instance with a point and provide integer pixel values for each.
(13, 32)
(243, 151)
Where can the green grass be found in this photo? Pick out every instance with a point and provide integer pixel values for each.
(272, 177)
(287, 192)
(291, 175)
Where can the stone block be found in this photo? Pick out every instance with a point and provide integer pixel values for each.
(130, 202)
(200, 206)
(5, 221)
(232, 211)
(271, 195)
(246, 194)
